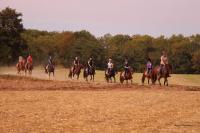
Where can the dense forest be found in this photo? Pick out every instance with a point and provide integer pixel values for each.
(15, 40)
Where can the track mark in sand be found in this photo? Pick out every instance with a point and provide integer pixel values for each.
(17, 83)
(184, 124)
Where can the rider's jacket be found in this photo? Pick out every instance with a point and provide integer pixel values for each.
(163, 60)
(149, 65)
(110, 65)
(126, 65)
(50, 61)
(90, 63)
(29, 59)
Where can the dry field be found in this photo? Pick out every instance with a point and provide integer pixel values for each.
(30, 104)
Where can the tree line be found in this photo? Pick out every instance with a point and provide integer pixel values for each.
(183, 51)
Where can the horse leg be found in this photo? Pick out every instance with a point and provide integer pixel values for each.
(90, 77)
(77, 76)
(93, 78)
(159, 80)
(114, 79)
(152, 81)
(131, 81)
(143, 79)
(166, 82)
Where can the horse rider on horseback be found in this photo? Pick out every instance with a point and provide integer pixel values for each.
(126, 67)
(90, 64)
(29, 59)
(50, 62)
(110, 65)
(21, 61)
(163, 61)
(149, 66)
(75, 63)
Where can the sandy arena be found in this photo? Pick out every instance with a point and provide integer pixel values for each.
(35, 105)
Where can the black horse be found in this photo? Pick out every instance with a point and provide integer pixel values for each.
(109, 74)
(50, 69)
(89, 71)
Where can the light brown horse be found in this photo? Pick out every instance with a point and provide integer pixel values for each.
(21, 67)
(164, 73)
(75, 71)
(150, 76)
(28, 67)
(127, 76)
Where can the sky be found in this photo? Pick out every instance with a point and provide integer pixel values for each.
(152, 17)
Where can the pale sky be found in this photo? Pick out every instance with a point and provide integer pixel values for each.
(152, 17)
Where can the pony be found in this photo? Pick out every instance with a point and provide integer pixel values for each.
(89, 71)
(50, 68)
(127, 76)
(150, 76)
(28, 67)
(75, 71)
(164, 73)
(21, 67)
(109, 74)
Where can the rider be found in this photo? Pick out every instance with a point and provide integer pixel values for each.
(50, 62)
(110, 65)
(90, 63)
(149, 65)
(126, 67)
(75, 63)
(29, 59)
(163, 61)
(21, 60)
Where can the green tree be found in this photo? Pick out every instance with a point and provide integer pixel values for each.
(11, 43)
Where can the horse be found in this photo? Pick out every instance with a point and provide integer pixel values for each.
(75, 71)
(89, 71)
(28, 67)
(167, 69)
(109, 74)
(20, 67)
(150, 76)
(50, 68)
(127, 76)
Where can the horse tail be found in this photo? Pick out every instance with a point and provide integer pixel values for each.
(45, 68)
(121, 77)
(70, 73)
(143, 78)
(154, 77)
(84, 73)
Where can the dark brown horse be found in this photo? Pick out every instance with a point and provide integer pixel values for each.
(75, 71)
(164, 73)
(21, 67)
(109, 74)
(127, 76)
(150, 76)
(50, 68)
(29, 67)
(89, 71)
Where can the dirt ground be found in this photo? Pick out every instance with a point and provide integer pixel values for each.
(35, 105)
